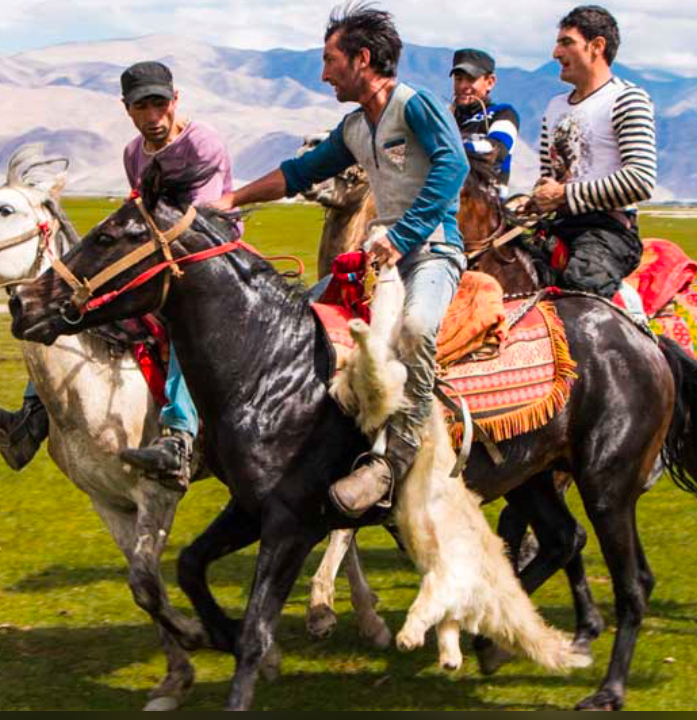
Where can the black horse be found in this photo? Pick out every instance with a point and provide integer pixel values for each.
(258, 368)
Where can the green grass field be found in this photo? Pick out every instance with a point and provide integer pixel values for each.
(71, 637)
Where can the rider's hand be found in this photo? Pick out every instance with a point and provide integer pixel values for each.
(384, 252)
(225, 203)
(548, 195)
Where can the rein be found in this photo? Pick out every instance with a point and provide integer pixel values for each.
(83, 296)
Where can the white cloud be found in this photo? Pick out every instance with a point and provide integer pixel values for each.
(519, 34)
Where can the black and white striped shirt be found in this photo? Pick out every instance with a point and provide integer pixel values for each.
(602, 148)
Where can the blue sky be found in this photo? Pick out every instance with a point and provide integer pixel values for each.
(519, 32)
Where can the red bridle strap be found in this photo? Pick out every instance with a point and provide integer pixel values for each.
(153, 272)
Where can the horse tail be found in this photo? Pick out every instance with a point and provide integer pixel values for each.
(679, 453)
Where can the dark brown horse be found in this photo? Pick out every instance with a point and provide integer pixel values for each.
(258, 368)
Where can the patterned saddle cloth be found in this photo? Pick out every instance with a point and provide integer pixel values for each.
(516, 380)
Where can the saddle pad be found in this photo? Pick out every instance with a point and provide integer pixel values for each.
(678, 321)
(664, 272)
(475, 322)
(523, 388)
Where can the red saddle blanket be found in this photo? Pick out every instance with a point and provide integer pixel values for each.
(153, 357)
(519, 390)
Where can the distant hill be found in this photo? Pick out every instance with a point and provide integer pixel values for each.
(263, 103)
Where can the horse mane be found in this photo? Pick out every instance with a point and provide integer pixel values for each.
(482, 175)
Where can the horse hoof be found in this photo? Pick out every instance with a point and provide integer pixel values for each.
(162, 704)
(602, 701)
(382, 639)
(492, 658)
(272, 664)
(451, 666)
(407, 643)
(321, 622)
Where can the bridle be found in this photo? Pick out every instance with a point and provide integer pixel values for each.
(44, 230)
(83, 299)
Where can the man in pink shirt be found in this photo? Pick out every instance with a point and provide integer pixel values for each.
(194, 153)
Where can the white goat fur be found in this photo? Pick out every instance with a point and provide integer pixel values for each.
(468, 582)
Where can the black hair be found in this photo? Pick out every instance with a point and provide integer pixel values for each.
(593, 21)
(363, 26)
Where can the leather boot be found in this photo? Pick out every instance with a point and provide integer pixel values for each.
(22, 432)
(167, 460)
(374, 483)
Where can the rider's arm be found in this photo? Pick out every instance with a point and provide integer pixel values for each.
(502, 137)
(435, 129)
(633, 120)
(546, 168)
(328, 159)
(325, 161)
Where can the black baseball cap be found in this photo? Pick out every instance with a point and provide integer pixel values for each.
(145, 79)
(474, 63)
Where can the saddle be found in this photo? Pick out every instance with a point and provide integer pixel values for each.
(147, 339)
(511, 361)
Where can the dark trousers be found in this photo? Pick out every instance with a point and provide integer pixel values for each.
(603, 249)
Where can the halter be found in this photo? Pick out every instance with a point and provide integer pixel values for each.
(45, 230)
(83, 291)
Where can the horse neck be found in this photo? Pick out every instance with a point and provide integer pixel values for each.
(236, 330)
(479, 218)
(512, 267)
(85, 387)
(345, 228)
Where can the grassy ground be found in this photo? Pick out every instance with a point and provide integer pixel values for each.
(72, 639)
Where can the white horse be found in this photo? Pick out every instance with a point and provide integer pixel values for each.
(98, 406)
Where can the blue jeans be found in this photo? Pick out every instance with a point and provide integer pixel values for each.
(431, 275)
(180, 412)
(30, 391)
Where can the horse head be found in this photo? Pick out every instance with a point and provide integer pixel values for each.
(120, 269)
(28, 212)
(481, 214)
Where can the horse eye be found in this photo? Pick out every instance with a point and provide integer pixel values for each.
(6, 211)
(104, 239)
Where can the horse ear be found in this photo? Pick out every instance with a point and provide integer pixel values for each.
(29, 167)
(152, 185)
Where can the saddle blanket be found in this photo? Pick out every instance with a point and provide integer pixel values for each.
(526, 385)
(518, 391)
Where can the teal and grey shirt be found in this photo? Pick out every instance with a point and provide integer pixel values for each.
(415, 163)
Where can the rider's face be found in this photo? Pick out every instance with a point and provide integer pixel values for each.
(342, 73)
(466, 89)
(576, 55)
(154, 116)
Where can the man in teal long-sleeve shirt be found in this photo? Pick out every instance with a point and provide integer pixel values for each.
(409, 144)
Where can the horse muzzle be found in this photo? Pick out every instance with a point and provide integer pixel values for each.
(33, 325)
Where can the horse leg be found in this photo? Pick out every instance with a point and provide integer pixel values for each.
(320, 619)
(370, 624)
(142, 553)
(286, 541)
(232, 530)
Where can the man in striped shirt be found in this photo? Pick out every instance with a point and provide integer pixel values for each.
(489, 130)
(598, 156)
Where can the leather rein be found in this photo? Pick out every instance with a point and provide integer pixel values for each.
(83, 298)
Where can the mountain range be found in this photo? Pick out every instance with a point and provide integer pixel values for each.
(264, 102)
